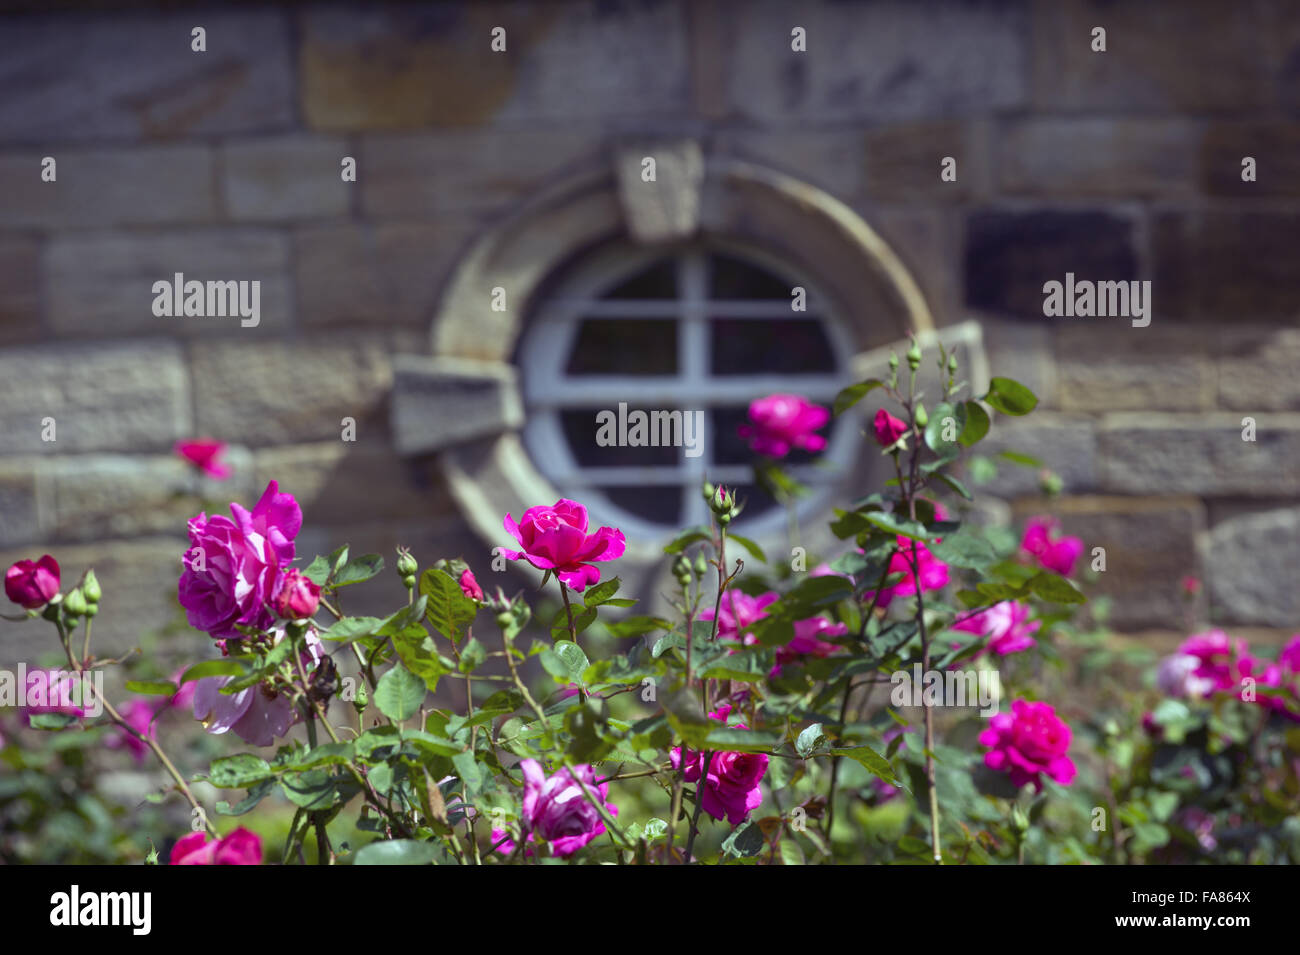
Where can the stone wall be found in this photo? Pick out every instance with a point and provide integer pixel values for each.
(225, 164)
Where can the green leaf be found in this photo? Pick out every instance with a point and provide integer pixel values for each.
(238, 771)
(746, 840)
(601, 592)
(977, 424)
(326, 754)
(352, 628)
(1010, 397)
(448, 609)
(255, 795)
(399, 693)
(686, 538)
(469, 771)
(1055, 588)
(358, 569)
(755, 551)
(731, 740)
(898, 525)
(397, 852)
(809, 740)
(851, 395)
(212, 668)
(314, 789)
(956, 485)
(472, 656)
(151, 687)
(318, 571)
(872, 761)
(964, 550)
(1024, 460)
(635, 626)
(935, 427)
(50, 721)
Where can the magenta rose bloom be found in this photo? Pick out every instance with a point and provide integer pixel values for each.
(731, 785)
(257, 715)
(32, 583)
(296, 595)
(887, 428)
(807, 642)
(233, 566)
(739, 612)
(556, 811)
(556, 539)
(930, 572)
(205, 454)
(1027, 743)
(1219, 659)
(1057, 554)
(241, 847)
(1176, 676)
(1005, 624)
(139, 715)
(55, 691)
(469, 586)
(779, 423)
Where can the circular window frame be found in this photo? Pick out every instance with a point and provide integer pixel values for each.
(578, 294)
(722, 199)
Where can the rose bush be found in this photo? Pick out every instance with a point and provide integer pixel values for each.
(735, 717)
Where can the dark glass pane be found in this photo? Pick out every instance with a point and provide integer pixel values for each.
(580, 430)
(756, 502)
(657, 281)
(625, 346)
(746, 346)
(734, 278)
(730, 448)
(661, 504)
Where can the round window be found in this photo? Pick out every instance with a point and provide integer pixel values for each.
(638, 365)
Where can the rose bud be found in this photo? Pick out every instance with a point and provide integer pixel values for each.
(888, 429)
(297, 597)
(469, 586)
(32, 583)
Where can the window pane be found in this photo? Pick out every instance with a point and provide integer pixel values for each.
(744, 346)
(662, 504)
(733, 278)
(657, 281)
(625, 346)
(579, 427)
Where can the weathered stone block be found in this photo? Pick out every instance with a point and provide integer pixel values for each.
(1108, 365)
(830, 159)
(1226, 266)
(374, 275)
(282, 392)
(667, 208)
(904, 162)
(1150, 545)
(395, 66)
(440, 402)
(1202, 454)
(20, 292)
(877, 61)
(20, 505)
(285, 178)
(1066, 444)
(1026, 353)
(477, 171)
(66, 80)
(108, 187)
(1149, 57)
(131, 397)
(1257, 368)
(1098, 157)
(102, 284)
(1275, 147)
(1010, 255)
(1252, 562)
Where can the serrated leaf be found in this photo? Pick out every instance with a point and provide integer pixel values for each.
(238, 771)
(397, 852)
(447, 608)
(1056, 589)
(212, 668)
(1010, 397)
(851, 395)
(636, 626)
(977, 424)
(399, 693)
(151, 687)
(872, 761)
(601, 592)
(358, 569)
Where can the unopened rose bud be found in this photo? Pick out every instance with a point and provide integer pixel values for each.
(701, 565)
(1019, 821)
(893, 361)
(90, 587)
(406, 564)
(75, 603)
(914, 356)
(952, 364)
(707, 490)
(682, 568)
(505, 619)
(1050, 482)
(469, 586)
(361, 697)
(297, 596)
(33, 583)
(922, 416)
(723, 504)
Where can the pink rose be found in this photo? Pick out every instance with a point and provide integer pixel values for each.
(731, 787)
(888, 429)
(139, 715)
(55, 691)
(930, 572)
(241, 847)
(1006, 625)
(204, 454)
(1041, 544)
(1028, 742)
(1289, 656)
(556, 539)
(32, 583)
(296, 596)
(739, 611)
(1177, 677)
(232, 567)
(257, 715)
(807, 642)
(556, 811)
(778, 423)
(1218, 657)
(469, 586)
